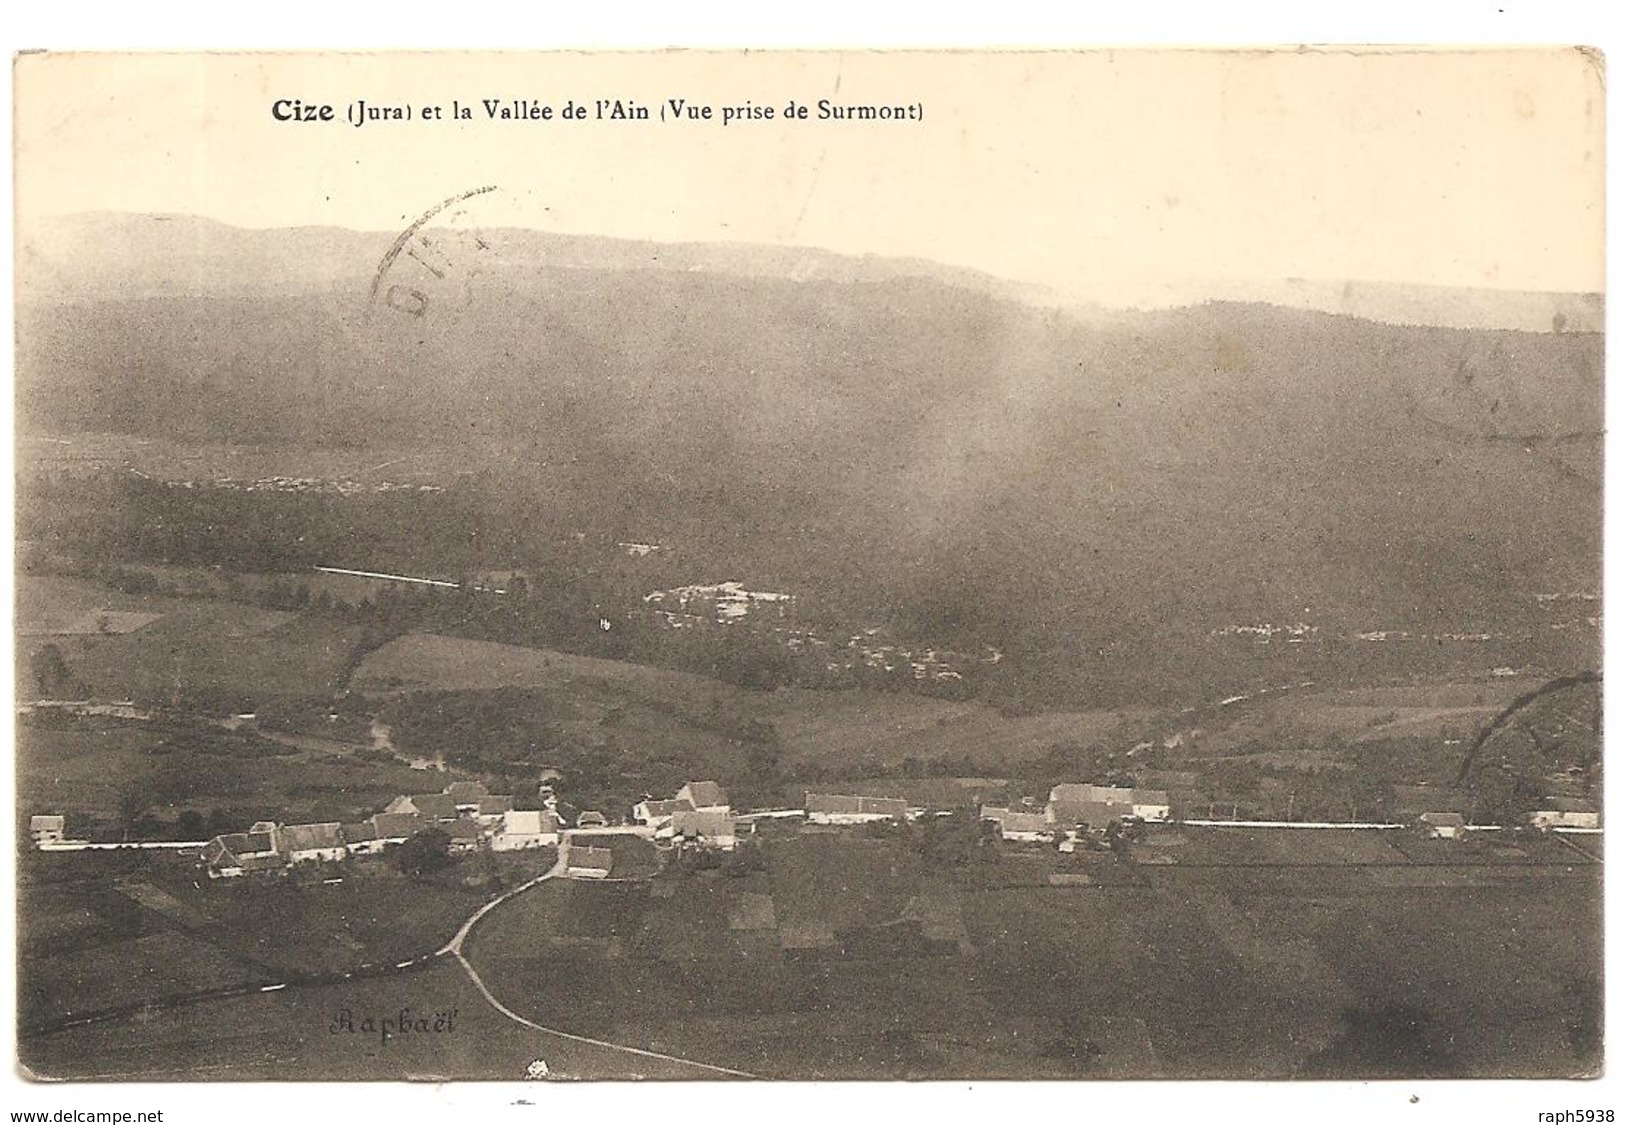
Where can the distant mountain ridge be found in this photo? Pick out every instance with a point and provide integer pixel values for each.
(138, 255)
(927, 448)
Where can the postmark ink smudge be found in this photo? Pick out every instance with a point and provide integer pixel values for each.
(403, 296)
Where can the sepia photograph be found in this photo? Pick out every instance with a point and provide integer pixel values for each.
(809, 565)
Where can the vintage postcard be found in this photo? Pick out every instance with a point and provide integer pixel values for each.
(809, 565)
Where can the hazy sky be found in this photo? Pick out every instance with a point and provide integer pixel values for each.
(1074, 171)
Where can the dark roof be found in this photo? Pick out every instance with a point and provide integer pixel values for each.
(703, 822)
(437, 806)
(397, 826)
(260, 842)
(495, 806)
(666, 808)
(222, 850)
(706, 794)
(463, 830)
(310, 837)
(1016, 821)
(359, 833)
(1089, 812)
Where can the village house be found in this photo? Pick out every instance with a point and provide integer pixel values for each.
(1565, 812)
(704, 796)
(1098, 805)
(362, 838)
(465, 834)
(466, 795)
(1015, 825)
(710, 828)
(830, 808)
(1443, 825)
(398, 827)
(304, 843)
(460, 799)
(491, 809)
(526, 828)
(585, 862)
(48, 829)
(242, 853)
(658, 814)
(434, 808)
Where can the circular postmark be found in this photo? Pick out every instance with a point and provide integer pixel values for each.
(431, 265)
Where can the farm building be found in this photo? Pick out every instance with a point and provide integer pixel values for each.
(658, 814)
(589, 862)
(465, 835)
(362, 838)
(304, 842)
(707, 827)
(491, 810)
(48, 829)
(704, 796)
(241, 853)
(466, 795)
(1443, 825)
(398, 827)
(830, 808)
(435, 808)
(526, 829)
(1565, 812)
(1098, 804)
(1014, 824)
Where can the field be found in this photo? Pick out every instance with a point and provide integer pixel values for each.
(162, 649)
(104, 770)
(845, 731)
(290, 1034)
(852, 957)
(855, 730)
(426, 661)
(112, 931)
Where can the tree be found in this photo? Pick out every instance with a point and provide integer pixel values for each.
(50, 670)
(425, 853)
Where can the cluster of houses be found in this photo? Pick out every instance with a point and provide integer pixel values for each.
(1076, 811)
(1445, 813)
(699, 814)
(471, 817)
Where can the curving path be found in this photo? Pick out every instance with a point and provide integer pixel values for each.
(454, 948)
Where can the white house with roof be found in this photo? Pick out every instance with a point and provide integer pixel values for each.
(1565, 812)
(1443, 825)
(526, 828)
(1069, 803)
(49, 828)
(303, 843)
(835, 808)
(658, 814)
(704, 796)
(708, 828)
(1030, 827)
